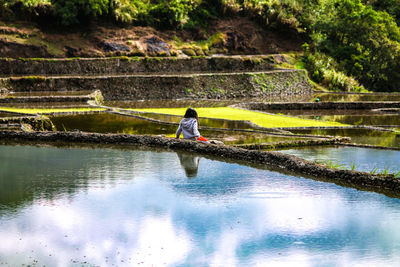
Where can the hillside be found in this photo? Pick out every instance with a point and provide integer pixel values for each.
(236, 35)
(348, 45)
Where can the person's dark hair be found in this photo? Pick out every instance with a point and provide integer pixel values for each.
(191, 113)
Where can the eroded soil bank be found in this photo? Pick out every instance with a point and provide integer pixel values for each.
(383, 184)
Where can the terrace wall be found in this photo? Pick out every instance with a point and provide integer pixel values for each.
(151, 86)
(125, 65)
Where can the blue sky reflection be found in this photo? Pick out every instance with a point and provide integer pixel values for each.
(135, 207)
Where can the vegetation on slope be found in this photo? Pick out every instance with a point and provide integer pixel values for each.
(346, 38)
(261, 119)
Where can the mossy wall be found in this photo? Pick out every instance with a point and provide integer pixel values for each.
(213, 85)
(125, 65)
(38, 123)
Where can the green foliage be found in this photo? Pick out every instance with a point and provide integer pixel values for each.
(352, 42)
(364, 41)
(26, 9)
(353, 166)
(373, 171)
(77, 11)
(323, 70)
(335, 165)
(390, 6)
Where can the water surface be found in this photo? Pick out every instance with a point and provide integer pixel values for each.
(374, 120)
(327, 97)
(362, 159)
(112, 123)
(360, 136)
(197, 103)
(103, 207)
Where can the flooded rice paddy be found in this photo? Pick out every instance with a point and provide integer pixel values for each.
(113, 123)
(337, 97)
(351, 117)
(360, 159)
(179, 103)
(360, 136)
(103, 207)
(373, 120)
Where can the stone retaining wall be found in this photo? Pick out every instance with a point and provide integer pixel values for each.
(125, 65)
(37, 123)
(134, 87)
(320, 105)
(385, 184)
(40, 99)
(296, 143)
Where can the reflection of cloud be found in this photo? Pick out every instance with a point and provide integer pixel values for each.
(160, 242)
(100, 235)
(150, 212)
(225, 251)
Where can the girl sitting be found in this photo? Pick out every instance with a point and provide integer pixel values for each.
(189, 126)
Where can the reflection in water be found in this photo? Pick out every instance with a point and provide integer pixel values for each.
(327, 97)
(362, 159)
(104, 207)
(388, 119)
(189, 163)
(359, 136)
(184, 103)
(111, 123)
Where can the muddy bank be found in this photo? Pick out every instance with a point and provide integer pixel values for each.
(387, 184)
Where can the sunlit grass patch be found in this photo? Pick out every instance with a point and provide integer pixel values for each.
(261, 119)
(49, 110)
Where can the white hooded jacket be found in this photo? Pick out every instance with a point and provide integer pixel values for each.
(188, 126)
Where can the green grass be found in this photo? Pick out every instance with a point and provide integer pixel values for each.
(205, 45)
(261, 119)
(49, 110)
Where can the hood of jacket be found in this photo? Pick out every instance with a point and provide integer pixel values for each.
(188, 123)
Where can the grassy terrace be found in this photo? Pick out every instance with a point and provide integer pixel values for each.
(49, 110)
(261, 119)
